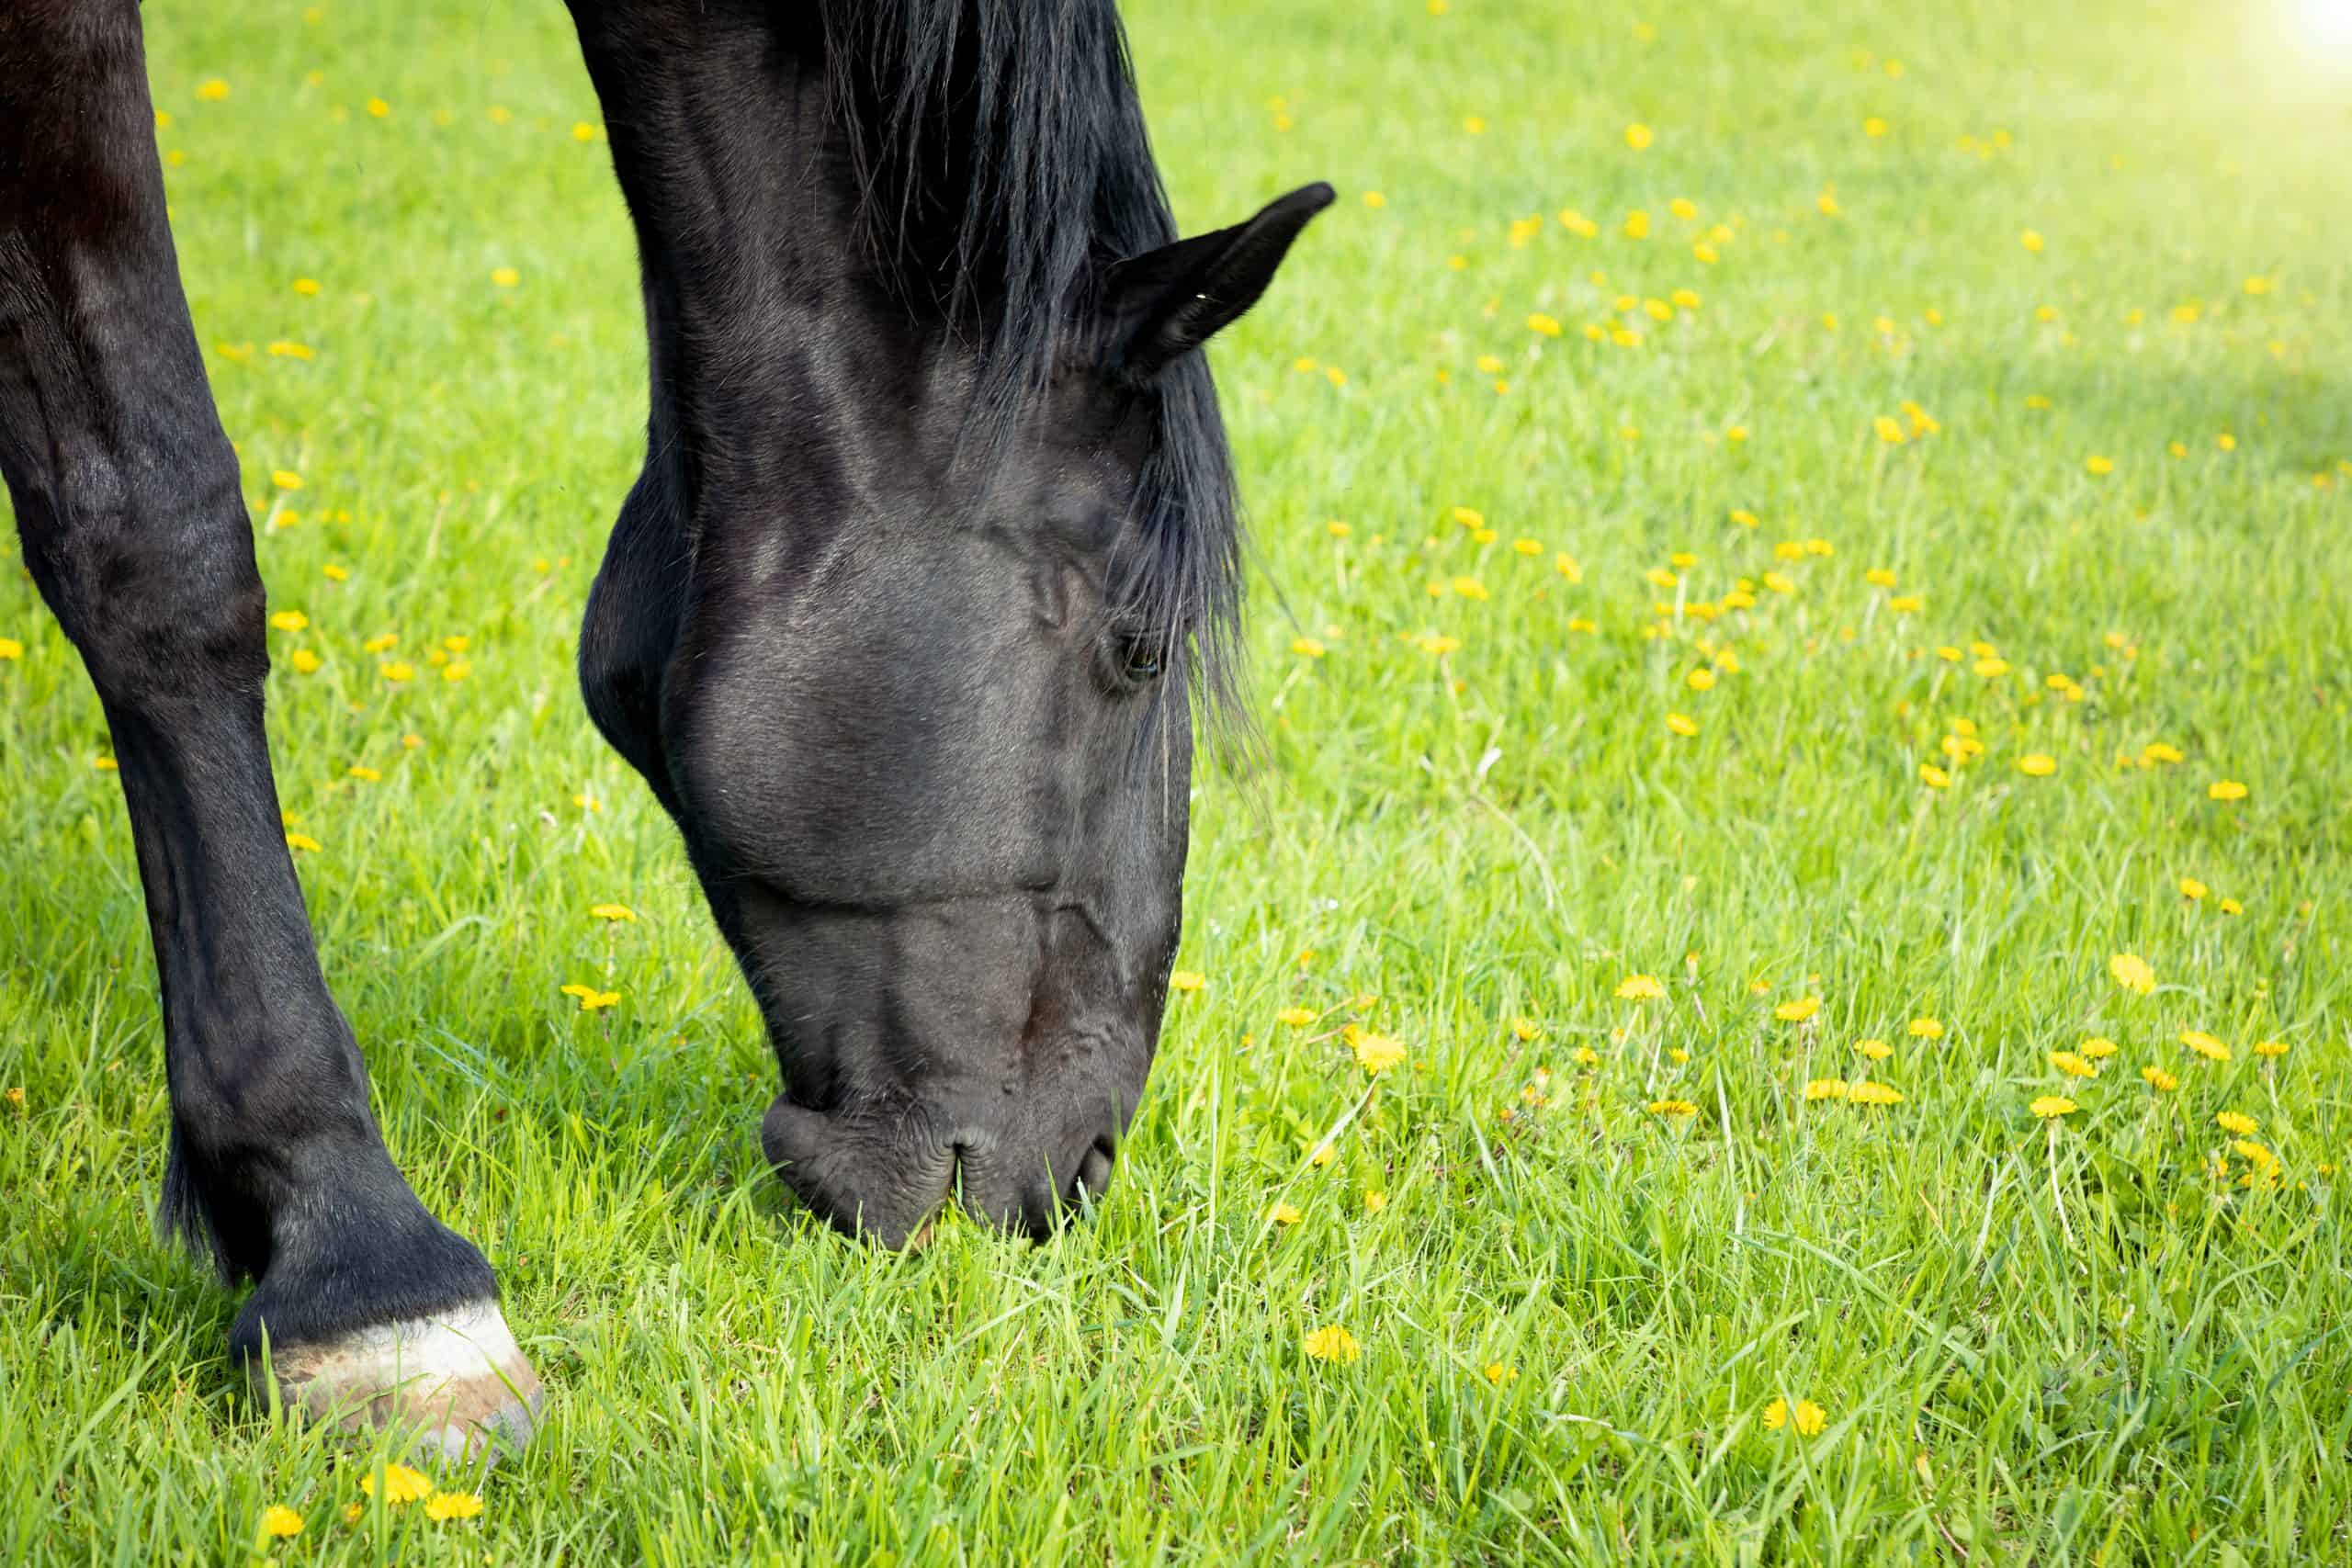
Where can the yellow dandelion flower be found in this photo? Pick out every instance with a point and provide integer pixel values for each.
(282, 1522)
(212, 89)
(302, 842)
(2273, 1048)
(1826, 1088)
(612, 912)
(2158, 1079)
(1672, 1108)
(1810, 1418)
(2237, 1122)
(2073, 1066)
(1376, 1054)
(398, 671)
(1872, 1093)
(1307, 648)
(1286, 1214)
(1776, 1414)
(2205, 1044)
(2226, 789)
(401, 1485)
(2132, 973)
(1332, 1343)
(1683, 723)
(2192, 889)
(2031, 240)
(1877, 1050)
(2037, 764)
(1638, 136)
(1499, 1373)
(363, 773)
(1547, 326)
(1375, 1201)
(1641, 988)
(2051, 1106)
(1295, 1017)
(583, 131)
(1797, 1009)
(505, 276)
(442, 1507)
(2097, 1048)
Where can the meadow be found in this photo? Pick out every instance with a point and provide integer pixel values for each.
(1772, 991)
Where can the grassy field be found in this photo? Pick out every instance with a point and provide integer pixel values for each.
(1788, 549)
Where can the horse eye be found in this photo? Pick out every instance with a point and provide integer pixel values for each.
(1143, 659)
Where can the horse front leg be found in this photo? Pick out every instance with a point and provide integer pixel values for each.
(365, 1308)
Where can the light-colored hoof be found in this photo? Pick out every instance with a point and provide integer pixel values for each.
(457, 1379)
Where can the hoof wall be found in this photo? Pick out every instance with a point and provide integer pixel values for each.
(457, 1380)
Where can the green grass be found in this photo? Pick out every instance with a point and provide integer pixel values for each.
(2069, 1344)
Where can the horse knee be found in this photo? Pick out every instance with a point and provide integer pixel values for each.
(148, 563)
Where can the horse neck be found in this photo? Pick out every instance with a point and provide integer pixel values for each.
(772, 337)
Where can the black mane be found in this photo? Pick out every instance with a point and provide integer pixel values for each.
(1001, 165)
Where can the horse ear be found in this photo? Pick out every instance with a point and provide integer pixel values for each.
(1166, 303)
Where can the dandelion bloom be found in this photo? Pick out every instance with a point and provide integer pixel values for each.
(1641, 988)
(2031, 240)
(302, 842)
(1868, 1092)
(280, 1521)
(289, 620)
(2192, 889)
(1376, 1054)
(1934, 777)
(2095, 464)
(1672, 1108)
(398, 671)
(505, 277)
(2226, 789)
(11, 648)
(2132, 972)
(1307, 648)
(2205, 1045)
(1797, 1009)
(2158, 1079)
(1810, 1418)
(612, 912)
(401, 1485)
(2271, 1048)
(1187, 980)
(1638, 136)
(1877, 1050)
(2073, 1066)
(1776, 1414)
(1295, 1017)
(1375, 1201)
(2050, 1106)
(2098, 1048)
(1286, 1213)
(1499, 1373)
(1683, 723)
(445, 1506)
(2237, 1122)
(2037, 764)
(1826, 1088)
(1332, 1343)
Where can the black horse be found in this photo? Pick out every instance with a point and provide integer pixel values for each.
(933, 554)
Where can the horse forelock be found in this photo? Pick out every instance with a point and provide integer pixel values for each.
(1001, 163)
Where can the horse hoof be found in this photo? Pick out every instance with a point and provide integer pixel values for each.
(456, 1379)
